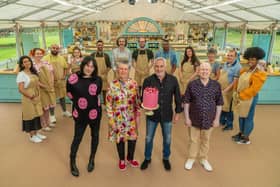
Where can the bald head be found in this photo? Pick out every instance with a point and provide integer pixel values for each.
(54, 49)
(205, 70)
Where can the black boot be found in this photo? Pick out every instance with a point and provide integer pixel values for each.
(74, 170)
(90, 167)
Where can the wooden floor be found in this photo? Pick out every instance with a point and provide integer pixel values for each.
(25, 164)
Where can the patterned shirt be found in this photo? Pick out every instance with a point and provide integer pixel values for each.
(203, 101)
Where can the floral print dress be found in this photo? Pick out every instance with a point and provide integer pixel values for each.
(122, 105)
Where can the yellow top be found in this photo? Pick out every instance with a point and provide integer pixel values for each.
(60, 59)
(257, 80)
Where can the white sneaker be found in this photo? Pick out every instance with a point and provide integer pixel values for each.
(67, 114)
(189, 163)
(47, 129)
(206, 165)
(35, 139)
(41, 136)
(52, 119)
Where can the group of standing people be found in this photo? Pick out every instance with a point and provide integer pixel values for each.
(207, 91)
(41, 80)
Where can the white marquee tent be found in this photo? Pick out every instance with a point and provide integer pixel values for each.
(257, 14)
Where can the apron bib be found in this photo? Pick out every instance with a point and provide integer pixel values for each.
(102, 71)
(244, 106)
(227, 97)
(75, 67)
(47, 94)
(168, 66)
(32, 108)
(59, 83)
(187, 71)
(141, 68)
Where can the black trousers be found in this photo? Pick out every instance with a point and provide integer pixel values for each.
(78, 135)
(130, 149)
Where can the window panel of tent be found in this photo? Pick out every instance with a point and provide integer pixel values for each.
(226, 17)
(254, 3)
(247, 15)
(61, 16)
(41, 15)
(272, 11)
(211, 18)
(227, 8)
(17, 10)
(38, 3)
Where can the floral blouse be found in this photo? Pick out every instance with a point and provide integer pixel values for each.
(122, 105)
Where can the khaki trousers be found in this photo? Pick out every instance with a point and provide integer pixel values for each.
(199, 140)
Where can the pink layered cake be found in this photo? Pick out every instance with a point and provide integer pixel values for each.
(150, 98)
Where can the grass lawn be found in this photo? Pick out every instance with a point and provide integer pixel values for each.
(234, 37)
(7, 50)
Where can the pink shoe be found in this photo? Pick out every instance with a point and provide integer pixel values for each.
(122, 165)
(133, 163)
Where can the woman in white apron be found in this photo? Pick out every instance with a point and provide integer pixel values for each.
(188, 70)
(246, 96)
(28, 85)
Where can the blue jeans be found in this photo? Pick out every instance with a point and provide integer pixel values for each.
(150, 133)
(227, 119)
(246, 125)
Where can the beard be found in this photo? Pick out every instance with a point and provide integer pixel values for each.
(54, 53)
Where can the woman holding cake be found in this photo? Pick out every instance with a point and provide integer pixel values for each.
(123, 111)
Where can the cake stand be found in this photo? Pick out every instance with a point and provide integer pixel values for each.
(149, 111)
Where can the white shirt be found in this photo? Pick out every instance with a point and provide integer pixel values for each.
(23, 77)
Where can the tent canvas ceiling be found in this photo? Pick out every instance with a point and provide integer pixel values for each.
(244, 11)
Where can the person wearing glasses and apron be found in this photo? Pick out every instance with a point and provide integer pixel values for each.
(249, 84)
(215, 66)
(142, 62)
(228, 76)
